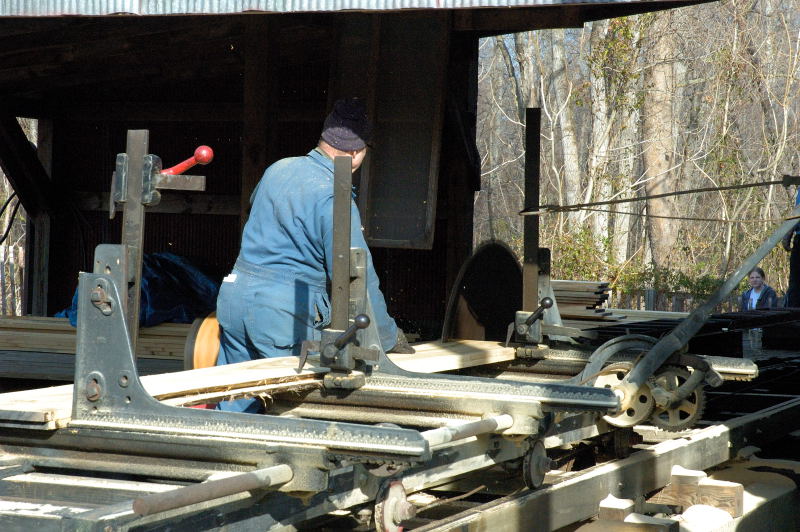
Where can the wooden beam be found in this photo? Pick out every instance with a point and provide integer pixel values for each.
(499, 21)
(37, 241)
(171, 203)
(23, 168)
(512, 20)
(185, 64)
(260, 90)
(689, 487)
(614, 509)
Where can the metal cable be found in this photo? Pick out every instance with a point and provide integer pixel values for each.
(689, 218)
(547, 209)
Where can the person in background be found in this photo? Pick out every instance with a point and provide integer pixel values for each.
(791, 243)
(760, 294)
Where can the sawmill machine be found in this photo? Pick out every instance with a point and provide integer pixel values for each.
(165, 467)
(358, 436)
(658, 381)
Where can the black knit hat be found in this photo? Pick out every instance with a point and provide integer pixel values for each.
(347, 128)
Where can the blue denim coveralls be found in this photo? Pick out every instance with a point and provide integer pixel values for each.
(277, 296)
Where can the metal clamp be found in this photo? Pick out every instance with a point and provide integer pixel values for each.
(527, 325)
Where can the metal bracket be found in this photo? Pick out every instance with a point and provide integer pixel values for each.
(151, 167)
(119, 184)
(528, 325)
(108, 394)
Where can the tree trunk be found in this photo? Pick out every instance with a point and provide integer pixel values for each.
(563, 87)
(659, 157)
(602, 118)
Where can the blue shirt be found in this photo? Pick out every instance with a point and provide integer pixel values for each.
(287, 255)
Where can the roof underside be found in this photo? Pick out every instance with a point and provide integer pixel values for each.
(48, 8)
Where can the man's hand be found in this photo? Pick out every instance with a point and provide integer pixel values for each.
(402, 345)
(786, 242)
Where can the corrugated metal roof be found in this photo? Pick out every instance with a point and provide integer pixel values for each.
(42, 8)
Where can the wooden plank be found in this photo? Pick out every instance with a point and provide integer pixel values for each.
(434, 357)
(239, 393)
(61, 366)
(171, 203)
(637, 523)
(51, 407)
(614, 509)
(688, 487)
(55, 335)
(572, 284)
(643, 315)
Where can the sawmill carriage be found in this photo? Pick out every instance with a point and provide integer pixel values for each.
(363, 430)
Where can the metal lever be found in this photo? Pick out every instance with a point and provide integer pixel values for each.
(544, 304)
(328, 355)
(523, 324)
(202, 155)
(359, 322)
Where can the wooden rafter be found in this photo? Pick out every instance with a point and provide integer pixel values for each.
(23, 169)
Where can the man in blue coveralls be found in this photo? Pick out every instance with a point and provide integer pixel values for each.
(277, 294)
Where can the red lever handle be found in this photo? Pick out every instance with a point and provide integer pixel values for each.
(202, 155)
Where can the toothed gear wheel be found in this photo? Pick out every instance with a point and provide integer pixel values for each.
(684, 415)
(643, 404)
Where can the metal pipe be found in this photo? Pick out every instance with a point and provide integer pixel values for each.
(685, 330)
(212, 489)
(465, 430)
(360, 414)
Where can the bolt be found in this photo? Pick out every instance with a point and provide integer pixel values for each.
(93, 390)
(546, 464)
(100, 300)
(403, 511)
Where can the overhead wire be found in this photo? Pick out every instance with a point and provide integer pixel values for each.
(549, 209)
(690, 218)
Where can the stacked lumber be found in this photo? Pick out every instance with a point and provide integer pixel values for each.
(583, 300)
(56, 335)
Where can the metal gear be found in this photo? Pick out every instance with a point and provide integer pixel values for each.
(643, 404)
(688, 412)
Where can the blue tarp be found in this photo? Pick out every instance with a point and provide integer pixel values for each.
(172, 290)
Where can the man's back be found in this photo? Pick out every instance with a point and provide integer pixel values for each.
(287, 224)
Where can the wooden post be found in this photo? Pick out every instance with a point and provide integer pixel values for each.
(37, 234)
(259, 122)
(3, 250)
(650, 296)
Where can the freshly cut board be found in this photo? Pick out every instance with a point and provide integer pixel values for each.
(50, 408)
